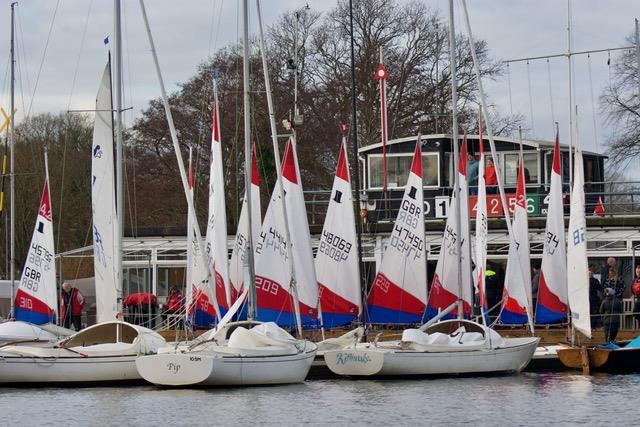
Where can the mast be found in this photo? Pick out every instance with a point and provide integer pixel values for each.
(570, 92)
(247, 157)
(456, 154)
(12, 232)
(119, 158)
(638, 55)
(356, 158)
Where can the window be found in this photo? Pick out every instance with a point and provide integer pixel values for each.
(564, 166)
(136, 280)
(398, 170)
(530, 168)
(169, 277)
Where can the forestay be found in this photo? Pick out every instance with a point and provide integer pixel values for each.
(399, 290)
(216, 238)
(103, 206)
(36, 298)
(552, 291)
(337, 258)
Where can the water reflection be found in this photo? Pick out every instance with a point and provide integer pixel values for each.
(524, 399)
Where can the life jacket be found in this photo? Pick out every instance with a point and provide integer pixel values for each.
(174, 303)
(635, 287)
(77, 303)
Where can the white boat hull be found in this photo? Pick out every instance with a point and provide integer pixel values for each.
(209, 368)
(369, 360)
(24, 369)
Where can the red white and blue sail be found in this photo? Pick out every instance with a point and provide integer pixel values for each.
(200, 302)
(36, 298)
(216, 237)
(103, 207)
(237, 266)
(482, 231)
(273, 267)
(516, 304)
(552, 290)
(337, 258)
(399, 290)
(447, 283)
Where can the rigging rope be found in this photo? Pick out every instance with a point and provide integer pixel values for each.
(553, 114)
(533, 127)
(593, 104)
(66, 136)
(44, 55)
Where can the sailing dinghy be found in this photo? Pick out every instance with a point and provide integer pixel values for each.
(239, 353)
(36, 300)
(455, 346)
(106, 351)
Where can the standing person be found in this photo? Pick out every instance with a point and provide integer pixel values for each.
(174, 306)
(490, 176)
(614, 281)
(612, 264)
(71, 310)
(595, 298)
(472, 170)
(610, 309)
(635, 290)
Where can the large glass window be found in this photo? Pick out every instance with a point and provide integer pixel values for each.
(398, 170)
(136, 280)
(169, 277)
(530, 168)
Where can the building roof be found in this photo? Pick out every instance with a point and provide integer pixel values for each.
(534, 143)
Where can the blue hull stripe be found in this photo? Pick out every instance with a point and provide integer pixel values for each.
(509, 318)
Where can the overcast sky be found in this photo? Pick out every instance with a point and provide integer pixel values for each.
(187, 31)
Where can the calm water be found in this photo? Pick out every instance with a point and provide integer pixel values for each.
(517, 400)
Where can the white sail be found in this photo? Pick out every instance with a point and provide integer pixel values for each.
(200, 301)
(36, 297)
(399, 290)
(304, 267)
(577, 274)
(446, 283)
(337, 258)
(237, 266)
(216, 237)
(552, 291)
(482, 230)
(103, 206)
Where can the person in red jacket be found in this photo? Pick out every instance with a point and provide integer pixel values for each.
(72, 302)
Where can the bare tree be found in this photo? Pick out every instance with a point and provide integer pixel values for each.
(620, 103)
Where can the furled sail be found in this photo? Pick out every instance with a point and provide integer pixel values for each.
(216, 238)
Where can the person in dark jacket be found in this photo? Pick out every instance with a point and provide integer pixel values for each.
(610, 309)
(614, 281)
(595, 298)
(635, 290)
